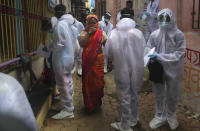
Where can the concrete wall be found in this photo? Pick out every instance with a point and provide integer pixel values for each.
(191, 87)
(183, 12)
(24, 78)
(111, 7)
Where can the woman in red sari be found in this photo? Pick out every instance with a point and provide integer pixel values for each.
(92, 39)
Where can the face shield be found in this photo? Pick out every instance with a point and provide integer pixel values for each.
(107, 17)
(164, 20)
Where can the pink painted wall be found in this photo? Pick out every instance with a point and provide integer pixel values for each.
(114, 6)
(186, 15)
(111, 7)
(183, 12)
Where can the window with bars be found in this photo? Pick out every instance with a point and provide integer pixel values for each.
(196, 14)
(20, 24)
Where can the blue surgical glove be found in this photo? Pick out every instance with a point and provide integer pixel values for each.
(153, 56)
(137, 25)
(144, 16)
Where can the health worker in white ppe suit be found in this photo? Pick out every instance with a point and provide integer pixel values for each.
(15, 110)
(107, 27)
(151, 17)
(170, 44)
(63, 60)
(75, 31)
(125, 46)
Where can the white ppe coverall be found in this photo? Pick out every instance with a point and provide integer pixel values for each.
(63, 59)
(107, 29)
(54, 21)
(170, 47)
(79, 27)
(152, 22)
(15, 111)
(125, 46)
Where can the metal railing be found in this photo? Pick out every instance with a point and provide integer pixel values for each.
(20, 22)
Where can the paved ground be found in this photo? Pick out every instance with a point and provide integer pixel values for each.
(100, 120)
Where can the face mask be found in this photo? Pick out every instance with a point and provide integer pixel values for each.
(106, 20)
(164, 25)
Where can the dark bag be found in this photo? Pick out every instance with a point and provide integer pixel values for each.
(155, 71)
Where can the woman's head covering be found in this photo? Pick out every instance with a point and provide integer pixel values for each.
(89, 17)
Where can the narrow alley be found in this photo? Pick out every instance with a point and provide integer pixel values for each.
(109, 112)
(155, 43)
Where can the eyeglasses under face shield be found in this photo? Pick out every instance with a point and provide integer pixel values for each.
(107, 16)
(164, 17)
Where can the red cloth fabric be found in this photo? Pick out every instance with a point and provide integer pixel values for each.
(93, 75)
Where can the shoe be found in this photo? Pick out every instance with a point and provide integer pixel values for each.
(80, 71)
(63, 115)
(56, 108)
(155, 123)
(133, 123)
(173, 123)
(74, 69)
(117, 126)
(105, 70)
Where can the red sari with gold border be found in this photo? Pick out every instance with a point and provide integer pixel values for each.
(93, 75)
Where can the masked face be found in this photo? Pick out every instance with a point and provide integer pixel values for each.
(164, 21)
(58, 14)
(164, 25)
(106, 20)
